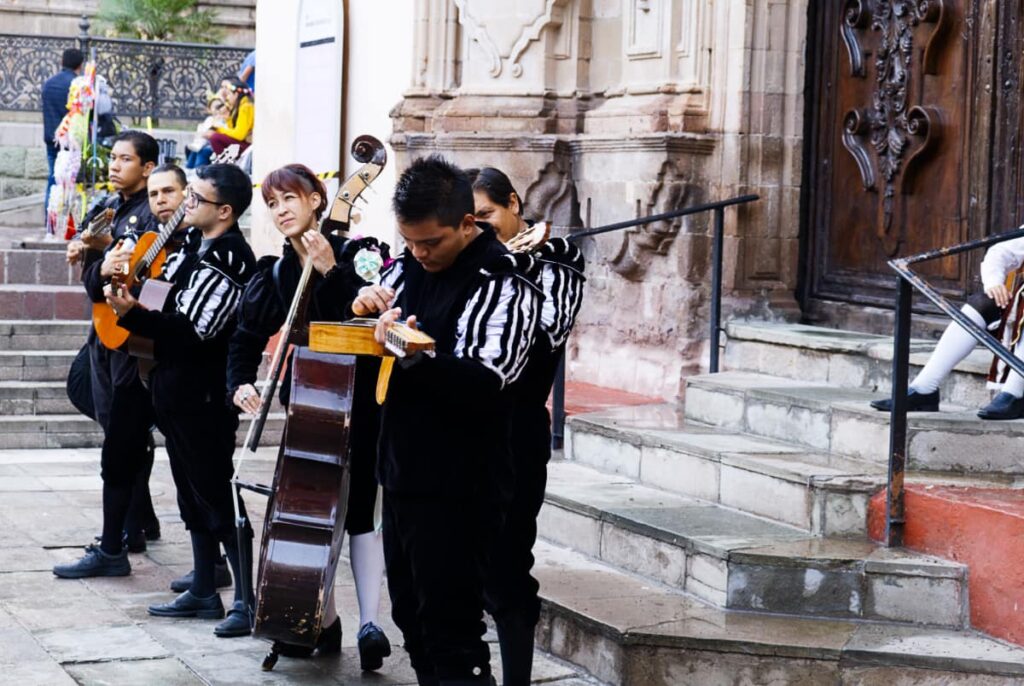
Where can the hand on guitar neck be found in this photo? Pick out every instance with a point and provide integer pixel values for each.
(389, 319)
(119, 299)
(116, 261)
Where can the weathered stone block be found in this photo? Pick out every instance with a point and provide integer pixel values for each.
(922, 600)
(606, 454)
(680, 473)
(12, 161)
(645, 556)
(765, 495)
(576, 531)
(835, 592)
(787, 422)
(36, 164)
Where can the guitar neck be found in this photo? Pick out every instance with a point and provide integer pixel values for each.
(165, 233)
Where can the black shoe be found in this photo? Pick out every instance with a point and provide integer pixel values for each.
(373, 647)
(916, 402)
(95, 562)
(221, 577)
(136, 543)
(187, 605)
(237, 623)
(1003, 406)
(152, 531)
(329, 642)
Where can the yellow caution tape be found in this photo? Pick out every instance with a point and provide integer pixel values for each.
(107, 186)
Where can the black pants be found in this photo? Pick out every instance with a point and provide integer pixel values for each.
(125, 411)
(362, 492)
(436, 549)
(200, 442)
(509, 587)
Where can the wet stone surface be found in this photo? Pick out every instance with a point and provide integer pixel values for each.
(61, 632)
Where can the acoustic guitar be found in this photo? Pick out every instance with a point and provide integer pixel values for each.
(146, 262)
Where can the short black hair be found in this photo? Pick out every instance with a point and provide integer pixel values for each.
(495, 184)
(433, 187)
(72, 58)
(234, 187)
(145, 145)
(174, 169)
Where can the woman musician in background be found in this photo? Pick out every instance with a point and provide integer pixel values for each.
(296, 199)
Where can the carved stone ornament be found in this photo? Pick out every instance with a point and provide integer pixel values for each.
(550, 197)
(641, 243)
(887, 137)
(501, 34)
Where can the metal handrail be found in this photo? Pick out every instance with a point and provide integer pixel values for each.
(718, 207)
(895, 518)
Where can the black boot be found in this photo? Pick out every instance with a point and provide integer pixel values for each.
(916, 402)
(515, 638)
(221, 575)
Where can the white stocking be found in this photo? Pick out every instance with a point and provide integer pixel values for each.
(1015, 382)
(366, 552)
(955, 345)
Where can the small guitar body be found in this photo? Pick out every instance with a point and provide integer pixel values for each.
(304, 524)
(104, 320)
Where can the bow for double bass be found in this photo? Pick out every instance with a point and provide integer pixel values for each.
(306, 506)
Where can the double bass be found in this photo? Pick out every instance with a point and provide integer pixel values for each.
(303, 528)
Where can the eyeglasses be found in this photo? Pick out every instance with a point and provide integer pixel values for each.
(193, 199)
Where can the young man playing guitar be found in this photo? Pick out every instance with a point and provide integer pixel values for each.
(190, 341)
(444, 458)
(120, 401)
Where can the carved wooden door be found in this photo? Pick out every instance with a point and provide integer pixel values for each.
(901, 129)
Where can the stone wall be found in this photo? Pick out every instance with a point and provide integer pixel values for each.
(604, 110)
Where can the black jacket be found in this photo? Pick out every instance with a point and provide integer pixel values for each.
(55, 102)
(267, 297)
(445, 422)
(191, 334)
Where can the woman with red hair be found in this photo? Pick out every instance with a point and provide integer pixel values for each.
(296, 199)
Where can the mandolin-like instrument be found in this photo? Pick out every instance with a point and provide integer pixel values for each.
(146, 262)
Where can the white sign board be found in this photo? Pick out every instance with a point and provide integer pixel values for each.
(319, 73)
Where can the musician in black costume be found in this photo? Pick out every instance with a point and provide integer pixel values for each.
(510, 590)
(296, 199)
(444, 460)
(190, 338)
(120, 402)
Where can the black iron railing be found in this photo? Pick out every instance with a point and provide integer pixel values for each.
(147, 78)
(715, 323)
(907, 281)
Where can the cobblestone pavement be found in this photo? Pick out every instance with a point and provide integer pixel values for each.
(97, 631)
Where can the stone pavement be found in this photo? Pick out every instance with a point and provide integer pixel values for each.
(97, 631)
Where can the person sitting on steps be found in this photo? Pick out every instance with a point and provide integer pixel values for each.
(987, 310)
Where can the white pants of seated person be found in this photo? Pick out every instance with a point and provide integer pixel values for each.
(954, 346)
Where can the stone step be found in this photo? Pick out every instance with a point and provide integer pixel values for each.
(35, 365)
(656, 445)
(24, 213)
(50, 397)
(37, 267)
(625, 630)
(839, 421)
(76, 431)
(20, 301)
(738, 561)
(54, 334)
(847, 359)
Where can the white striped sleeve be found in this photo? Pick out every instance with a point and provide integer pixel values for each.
(209, 300)
(562, 287)
(496, 329)
(393, 277)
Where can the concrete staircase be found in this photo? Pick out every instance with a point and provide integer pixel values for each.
(726, 540)
(43, 323)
